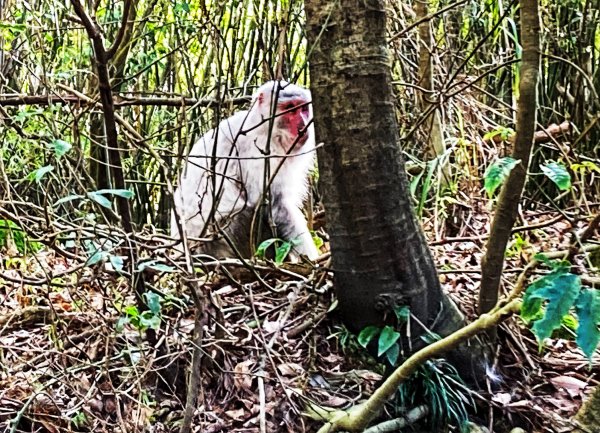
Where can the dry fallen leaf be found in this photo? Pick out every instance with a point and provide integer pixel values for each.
(243, 375)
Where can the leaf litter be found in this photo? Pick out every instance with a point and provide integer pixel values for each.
(267, 354)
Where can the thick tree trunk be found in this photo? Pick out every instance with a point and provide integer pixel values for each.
(379, 253)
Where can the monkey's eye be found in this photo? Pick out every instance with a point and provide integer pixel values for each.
(305, 109)
(288, 106)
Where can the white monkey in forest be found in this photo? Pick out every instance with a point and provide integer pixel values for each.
(223, 180)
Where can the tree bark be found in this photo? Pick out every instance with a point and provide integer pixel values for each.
(510, 195)
(379, 254)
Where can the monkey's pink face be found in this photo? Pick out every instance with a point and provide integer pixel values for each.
(295, 118)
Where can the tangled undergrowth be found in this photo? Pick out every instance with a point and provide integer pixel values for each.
(75, 358)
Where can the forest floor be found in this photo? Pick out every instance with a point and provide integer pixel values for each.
(70, 362)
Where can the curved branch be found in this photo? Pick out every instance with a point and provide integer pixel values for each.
(510, 196)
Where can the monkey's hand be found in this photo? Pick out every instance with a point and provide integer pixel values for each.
(305, 245)
(292, 227)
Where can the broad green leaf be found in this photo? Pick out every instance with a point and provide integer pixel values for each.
(153, 302)
(588, 311)
(531, 308)
(402, 313)
(38, 174)
(125, 193)
(100, 199)
(282, 251)
(367, 334)
(264, 245)
(392, 354)
(557, 174)
(60, 147)
(496, 174)
(117, 262)
(387, 339)
(559, 290)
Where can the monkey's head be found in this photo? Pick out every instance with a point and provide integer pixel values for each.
(293, 127)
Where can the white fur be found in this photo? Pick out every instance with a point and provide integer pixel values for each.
(241, 179)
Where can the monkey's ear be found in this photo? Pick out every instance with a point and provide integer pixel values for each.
(261, 98)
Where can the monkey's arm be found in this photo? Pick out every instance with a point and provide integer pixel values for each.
(292, 227)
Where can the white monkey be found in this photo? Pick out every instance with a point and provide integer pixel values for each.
(224, 178)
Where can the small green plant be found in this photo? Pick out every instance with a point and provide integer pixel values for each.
(147, 319)
(387, 337)
(438, 385)
(12, 234)
(518, 245)
(79, 419)
(499, 134)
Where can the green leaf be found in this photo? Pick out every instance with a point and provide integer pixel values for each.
(392, 354)
(182, 7)
(38, 174)
(96, 257)
(282, 251)
(121, 322)
(496, 174)
(9, 230)
(153, 302)
(502, 132)
(149, 320)
(367, 334)
(67, 199)
(154, 264)
(60, 147)
(588, 311)
(117, 262)
(569, 321)
(316, 239)
(531, 309)
(557, 174)
(131, 311)
(387, 339)
(402, 313)
(264, 245)
(125, 193)
(100, 199)
(559, 289)
(13, 27)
